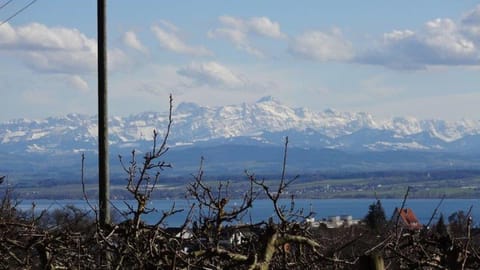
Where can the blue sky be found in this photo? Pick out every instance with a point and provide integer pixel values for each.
(402, 58)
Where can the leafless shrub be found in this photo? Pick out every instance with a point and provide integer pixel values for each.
(215, 234)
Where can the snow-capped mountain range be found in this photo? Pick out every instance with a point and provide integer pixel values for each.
(266, 121)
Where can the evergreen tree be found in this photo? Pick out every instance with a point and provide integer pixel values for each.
(458, 223)
(375, 218)
(441, 228)
(441, 231)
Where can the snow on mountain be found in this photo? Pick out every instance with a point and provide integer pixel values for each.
(263, 122)
(444, 130)
(267, 114)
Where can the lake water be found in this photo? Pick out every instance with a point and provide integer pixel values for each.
(262, 209)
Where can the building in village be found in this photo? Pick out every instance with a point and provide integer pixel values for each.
(406, 218)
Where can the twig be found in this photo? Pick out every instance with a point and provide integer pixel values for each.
(469, 237)
(85, 197)
(435, 211)
(400, 212)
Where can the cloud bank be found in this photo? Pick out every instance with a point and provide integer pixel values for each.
(238, 32)
(50, 49)
(211, 74)
(130, 40)
(440, 42)
(168, 37)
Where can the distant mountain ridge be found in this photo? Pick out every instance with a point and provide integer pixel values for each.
(264, 122)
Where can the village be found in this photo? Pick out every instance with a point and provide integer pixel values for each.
(236, 235)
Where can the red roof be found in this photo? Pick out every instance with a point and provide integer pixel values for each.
(408, 218)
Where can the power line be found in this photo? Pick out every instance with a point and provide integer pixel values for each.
(18, 12)
(4, 5)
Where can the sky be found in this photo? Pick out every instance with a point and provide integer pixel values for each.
(387, 58)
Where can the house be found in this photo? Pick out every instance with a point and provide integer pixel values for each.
(334, 221)
(406, 218)
(178, 232)
(237, 235)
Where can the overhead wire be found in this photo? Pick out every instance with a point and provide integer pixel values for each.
(18, 12)
(6, 3)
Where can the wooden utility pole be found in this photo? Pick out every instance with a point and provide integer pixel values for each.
(371, 262)
(103, 162)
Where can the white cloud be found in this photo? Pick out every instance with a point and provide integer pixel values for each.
(233, 22)
(444, 37)
(212, 74)
(130, 39)
(265, 27)
(397, 35)
(233, 35)
(7, 35)
(55, 49)
(36, 36)
(322, 46)
(60, 61)
(170, 40)
(238, 38)
(470, 22)
(78, 83)
(440, 42)
(237, 31)
(170, 26)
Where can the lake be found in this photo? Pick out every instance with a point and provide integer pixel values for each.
(262, 209)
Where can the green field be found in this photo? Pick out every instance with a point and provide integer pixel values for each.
(450, 185)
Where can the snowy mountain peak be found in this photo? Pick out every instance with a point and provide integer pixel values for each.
(267, 99)
(264, 121)
(330, 111)
(187, 107)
